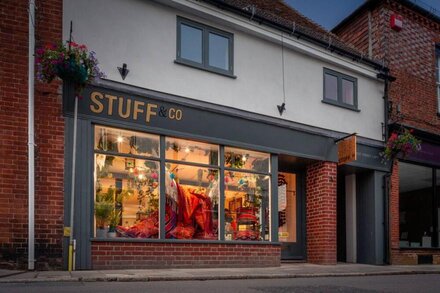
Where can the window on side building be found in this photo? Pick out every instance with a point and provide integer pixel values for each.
(437, 72)
(204, 47)
(418, 207)
(340, 89)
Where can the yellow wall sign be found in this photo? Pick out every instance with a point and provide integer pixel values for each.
(347, 150)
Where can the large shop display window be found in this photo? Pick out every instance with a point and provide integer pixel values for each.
(128, 191)
(418, 207)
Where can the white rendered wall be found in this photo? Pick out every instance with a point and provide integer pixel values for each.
(143, 35)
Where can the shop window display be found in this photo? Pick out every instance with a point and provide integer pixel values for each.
(128, 191)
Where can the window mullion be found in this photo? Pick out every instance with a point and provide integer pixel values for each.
(221, 215)
(162, 195)
(205, 49)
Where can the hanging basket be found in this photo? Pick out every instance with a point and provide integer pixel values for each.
(69, 62)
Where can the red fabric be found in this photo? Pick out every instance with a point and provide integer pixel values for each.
(247, 235)
(182, 232)
(145, 228)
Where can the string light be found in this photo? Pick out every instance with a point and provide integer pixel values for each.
(120, 139)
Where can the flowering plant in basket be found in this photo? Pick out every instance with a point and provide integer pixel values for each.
(70, 62)
(402, 142)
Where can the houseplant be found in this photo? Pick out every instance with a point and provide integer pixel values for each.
(104, 207)
(114, 219)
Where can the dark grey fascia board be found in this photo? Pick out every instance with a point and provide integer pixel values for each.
(211, 107)
(319, 42)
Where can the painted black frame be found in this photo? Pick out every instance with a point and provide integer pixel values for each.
(340, 77)
(273, 173)
(435, 205)
(206, 30)
(437, 75)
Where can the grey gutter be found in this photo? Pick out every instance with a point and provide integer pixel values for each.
(312, 39)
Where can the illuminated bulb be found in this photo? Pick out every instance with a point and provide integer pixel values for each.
(120, 139)
(187, 150)
(141, 176)
(131, 170)
(244, 158)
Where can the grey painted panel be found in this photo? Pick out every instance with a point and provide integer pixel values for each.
(207, 124)
(370, 217)
(83, 191)
(366, 236)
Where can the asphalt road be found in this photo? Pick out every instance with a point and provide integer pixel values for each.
(401, 283)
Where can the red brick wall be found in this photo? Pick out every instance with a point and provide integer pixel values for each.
(410, 55)
(321, 213)
(49, 133)
(140, 255)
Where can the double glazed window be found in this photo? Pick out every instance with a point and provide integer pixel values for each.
(419, 205)
(340, 89)
(204, 47)
(193, 180)
(437, 71)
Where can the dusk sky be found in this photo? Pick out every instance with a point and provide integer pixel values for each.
(328, 13)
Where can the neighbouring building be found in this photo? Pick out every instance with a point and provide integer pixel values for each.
(217, 148)
(406, 36)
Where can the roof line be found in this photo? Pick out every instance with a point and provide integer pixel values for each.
(299, 34)
(372, 3)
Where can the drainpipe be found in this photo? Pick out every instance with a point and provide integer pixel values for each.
(386, 178)
(31, 140)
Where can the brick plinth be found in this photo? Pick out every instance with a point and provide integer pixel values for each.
(321, 213)
(142, 255)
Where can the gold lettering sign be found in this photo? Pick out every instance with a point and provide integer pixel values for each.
(129, 108)
(347, 150)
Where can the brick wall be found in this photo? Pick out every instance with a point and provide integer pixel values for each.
(49, 128)
(410, 55)
(141, 255)
(321, 213)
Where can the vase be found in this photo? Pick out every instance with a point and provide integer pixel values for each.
(111, 234)
(101, 233)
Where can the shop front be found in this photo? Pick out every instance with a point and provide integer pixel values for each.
(416, 209)
(164, 181)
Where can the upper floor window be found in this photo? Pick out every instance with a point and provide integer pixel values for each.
(204, 47)
(437, 71)
(340, 89)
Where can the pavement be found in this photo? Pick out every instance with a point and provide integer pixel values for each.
(287, 270)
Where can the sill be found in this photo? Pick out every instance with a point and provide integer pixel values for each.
(176, 241)
(420, 248)
(201, 67)
(341, 105)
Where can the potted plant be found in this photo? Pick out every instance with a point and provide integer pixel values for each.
(70, 62)
(103, 210)
(401, 143)
(104, 206)
(114, 219)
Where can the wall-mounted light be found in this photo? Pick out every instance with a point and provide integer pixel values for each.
(281, 108)
(123, 71)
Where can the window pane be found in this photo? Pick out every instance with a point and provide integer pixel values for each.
(218, 51)
(126, 142)
(330, 87)
(438, 204)
(415, 205)
(192, 198)
(246, 160)
(287, 207)
(191, 43)
(126, 196)
(191, 151)
(347, 92)
(246, 206)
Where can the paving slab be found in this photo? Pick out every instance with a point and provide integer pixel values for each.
(302, 270)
